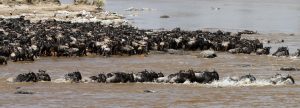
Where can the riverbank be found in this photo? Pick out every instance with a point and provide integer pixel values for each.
(58, 12)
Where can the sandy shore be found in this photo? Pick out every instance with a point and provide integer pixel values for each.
(59, 12)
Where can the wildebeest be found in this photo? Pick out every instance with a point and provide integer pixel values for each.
(147, 76)
(100, 78)
(3, 60)
(191, 76)
(25, 40)
(33, 77)
(27, 77)
(297, 53)
(119, 77)
(281, 51)
(73, 77)
(265, 51)
(282, 79)
(246, 78)
(206, 76)
(183, 76)
(43, 76)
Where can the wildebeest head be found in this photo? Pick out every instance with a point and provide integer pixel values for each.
(249, 77)
(43, 76)
(101, 78)
(3, 60)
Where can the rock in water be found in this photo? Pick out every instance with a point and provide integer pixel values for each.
(164, 16)
(173, 51)
(289, 69)
(207, 54)
(23, 92)
(149, 91)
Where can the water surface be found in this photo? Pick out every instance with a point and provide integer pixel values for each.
(222, 94)
(261, 15)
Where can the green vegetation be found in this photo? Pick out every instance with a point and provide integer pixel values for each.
(99, 3)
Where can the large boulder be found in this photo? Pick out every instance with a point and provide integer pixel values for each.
(173, 51)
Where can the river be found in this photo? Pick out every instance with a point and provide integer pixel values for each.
(276, 19)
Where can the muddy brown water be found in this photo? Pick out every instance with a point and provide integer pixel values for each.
(218, 94)
(52, 94)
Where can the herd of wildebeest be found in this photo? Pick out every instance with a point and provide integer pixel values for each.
(191, 76)
(23, 40)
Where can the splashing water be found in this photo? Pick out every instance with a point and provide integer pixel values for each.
(227, 82)
(61, 80)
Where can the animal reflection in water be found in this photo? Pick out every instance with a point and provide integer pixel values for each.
(183, 76)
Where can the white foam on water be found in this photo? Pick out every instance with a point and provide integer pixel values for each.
(286, 82)
(10, 79)
(61, 80)
(295, 58)
(86, 80)
(226, 82)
